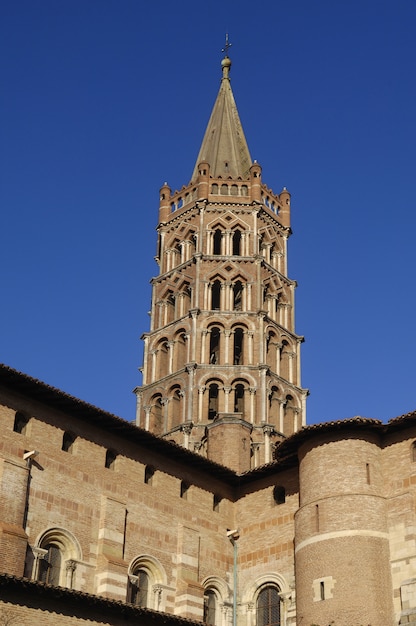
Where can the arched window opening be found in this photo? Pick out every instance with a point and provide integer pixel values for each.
(284, 360)
(216, 503)
(238, 296)
(224, 189)
(216, 294)
(217, 241)
(274, 405)
(181, 350)
(174, 407)
(237, 243)
(184, 490)
(20, 423)
(244, 190)
(279, 494)
(268, 607)
(238, 346)
(214, 189)
(239, 398)
(212, 401)
(51, 564)
(110, 459)
(260, 244)
(210, 602)
(214, 346)
(156, 422)
(138, 592)
(178, 252)
(149, 472)
(171, 307)
(68, 441)
(414, 452)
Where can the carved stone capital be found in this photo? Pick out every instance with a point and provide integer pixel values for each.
(71, 565)
(187, 428)
(39, 553)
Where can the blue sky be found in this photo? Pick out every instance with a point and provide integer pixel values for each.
(104, 100)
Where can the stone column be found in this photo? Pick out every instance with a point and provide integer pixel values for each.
(147, 410)
(139, 398)
(250, 338)
(227, 335)
(170, 345)
(263, 413)
(227, 391)
(70, 567)
(252, 391)
(201, 391)
(267, 432)
(190, 368)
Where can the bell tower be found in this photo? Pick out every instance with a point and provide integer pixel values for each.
(221, 370)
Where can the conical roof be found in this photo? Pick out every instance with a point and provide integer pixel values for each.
(224, 145)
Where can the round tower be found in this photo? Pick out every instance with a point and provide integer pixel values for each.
(342, 550)
(164, 203)
(255, 179)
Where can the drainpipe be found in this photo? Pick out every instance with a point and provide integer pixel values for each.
(233, 535)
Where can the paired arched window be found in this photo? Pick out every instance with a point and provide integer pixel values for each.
(268, 607)
(145, 578)
(56, 557)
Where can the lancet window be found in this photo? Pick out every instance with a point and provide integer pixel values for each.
(238, 296)
(239, 398)
(212, 400)
(214, 346)
(238, 356)
(156, 414)
(237, 242)
(217, 247)
(216, 295)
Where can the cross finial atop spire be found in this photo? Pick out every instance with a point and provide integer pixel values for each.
(227, 45)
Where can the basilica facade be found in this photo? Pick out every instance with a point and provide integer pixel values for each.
(218, 504)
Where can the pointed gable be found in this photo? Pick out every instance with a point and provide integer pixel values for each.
(224, 145)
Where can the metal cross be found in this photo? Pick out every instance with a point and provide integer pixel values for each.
(227, 45)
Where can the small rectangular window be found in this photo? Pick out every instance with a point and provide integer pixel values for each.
(322, 589)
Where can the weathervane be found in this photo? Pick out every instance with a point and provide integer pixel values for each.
(227, 45)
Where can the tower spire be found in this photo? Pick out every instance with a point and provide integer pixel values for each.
(224, 145)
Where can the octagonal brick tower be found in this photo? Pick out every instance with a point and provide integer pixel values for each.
(221, 372)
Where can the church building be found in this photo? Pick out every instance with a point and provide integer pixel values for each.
(218, 505)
